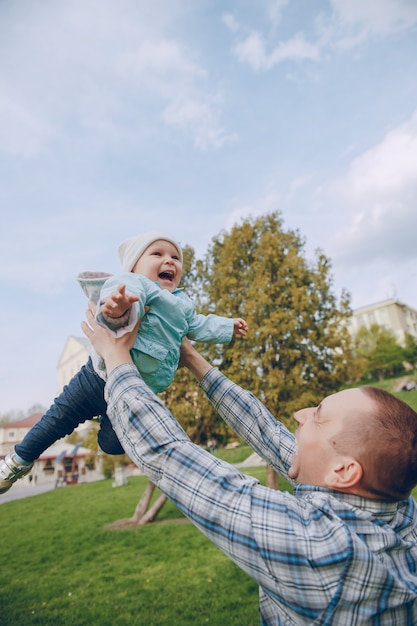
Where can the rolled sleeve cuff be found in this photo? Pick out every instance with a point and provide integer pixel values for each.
(212, 380)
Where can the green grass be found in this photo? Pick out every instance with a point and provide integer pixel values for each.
(393, 384)
(236, 455)
(61, 565)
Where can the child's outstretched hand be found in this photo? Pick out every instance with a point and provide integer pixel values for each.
(117, 303)
(240, 327)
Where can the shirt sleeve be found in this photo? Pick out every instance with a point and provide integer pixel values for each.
(209, 328)
(212, 493)
(251, 420)
(271, 535)
(215, 495)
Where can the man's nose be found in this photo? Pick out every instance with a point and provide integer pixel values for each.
(297, 416)
(301, 415)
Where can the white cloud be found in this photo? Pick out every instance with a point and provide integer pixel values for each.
(380, 193)
(252, 50)
(343, 25)
(98, 71)
(376, 16)
(390, 168)
(274, 9)
(23, 131)
(201, 118)
(231, 22)
(158, 63)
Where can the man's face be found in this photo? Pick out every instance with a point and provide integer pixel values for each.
(161, 263)
(318, 435)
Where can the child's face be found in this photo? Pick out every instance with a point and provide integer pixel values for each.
(161, 263)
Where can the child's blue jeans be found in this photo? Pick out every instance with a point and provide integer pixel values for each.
(81, 400)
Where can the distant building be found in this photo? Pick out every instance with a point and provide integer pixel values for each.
(62, 463)
(62, 460)
(74, 355)
(390, 314)
(13, 433)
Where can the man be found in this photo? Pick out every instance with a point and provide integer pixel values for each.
(342, 550)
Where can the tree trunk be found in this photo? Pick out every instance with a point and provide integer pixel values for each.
(142, 515)
(271, 478)
(143, 503)
(153, 511)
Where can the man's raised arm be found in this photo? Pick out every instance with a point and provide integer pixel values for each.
(193, 360)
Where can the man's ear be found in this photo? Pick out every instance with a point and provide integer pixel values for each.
(345, 473)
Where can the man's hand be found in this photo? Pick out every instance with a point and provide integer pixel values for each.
(118, 302)
(115, 351)
(240, 327)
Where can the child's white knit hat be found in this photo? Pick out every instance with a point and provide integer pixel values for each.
(132, 249)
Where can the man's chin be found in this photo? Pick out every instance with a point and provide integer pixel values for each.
(294, 469)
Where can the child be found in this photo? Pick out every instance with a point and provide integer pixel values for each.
(152, 266)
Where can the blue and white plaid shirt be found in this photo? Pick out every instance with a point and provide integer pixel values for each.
(320, 557)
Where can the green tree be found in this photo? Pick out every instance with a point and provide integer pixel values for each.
(108, 462)
(298, 347)
(12, 416)
(18, 414)
(35, 408)
(379, 352)
(410, 350)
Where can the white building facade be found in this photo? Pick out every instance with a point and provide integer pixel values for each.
(390, 314)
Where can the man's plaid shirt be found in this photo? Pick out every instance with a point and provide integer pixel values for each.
(320, 557)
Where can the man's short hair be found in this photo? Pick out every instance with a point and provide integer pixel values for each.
(390, 455)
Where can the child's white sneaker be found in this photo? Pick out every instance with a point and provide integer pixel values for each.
(10, 471)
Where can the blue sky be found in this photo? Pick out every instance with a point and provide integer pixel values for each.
(118, 117)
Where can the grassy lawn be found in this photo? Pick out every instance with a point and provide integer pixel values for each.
(61, 565)
(391, 385)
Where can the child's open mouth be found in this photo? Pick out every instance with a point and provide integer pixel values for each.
(166, 276)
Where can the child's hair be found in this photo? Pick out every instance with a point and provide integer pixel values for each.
(132, 249)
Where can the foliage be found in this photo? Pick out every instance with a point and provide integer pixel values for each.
(410, 350)
(35, 408)
(379, 352)
(7, 418)
(17, 414)
(183, 399)
(298, 347)
(75, 437)
(108, 462)
(395, 386)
